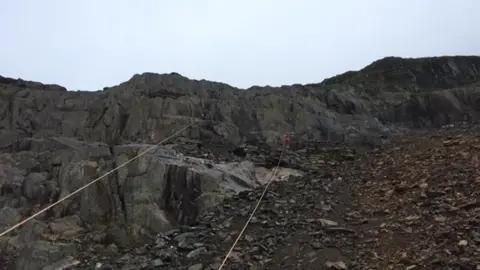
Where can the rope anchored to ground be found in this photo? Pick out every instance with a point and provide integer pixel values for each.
(274, 173)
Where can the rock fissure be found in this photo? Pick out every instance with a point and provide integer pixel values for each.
(406, 204)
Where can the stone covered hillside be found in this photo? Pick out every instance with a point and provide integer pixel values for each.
(53, 141)
(356, 107)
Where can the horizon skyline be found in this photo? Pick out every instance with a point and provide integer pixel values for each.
(87, 45)
(240, 88)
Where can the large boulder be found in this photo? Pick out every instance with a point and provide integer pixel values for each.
(156, 190)
(153, 193)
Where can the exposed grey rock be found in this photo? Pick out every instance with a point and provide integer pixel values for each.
(31, 232)
(54, 141)
(39, 254)
(197, 266)
(62, 264)
(33, 186)
(66, 226)
(418, 92)
(145, 192)
(8, 217)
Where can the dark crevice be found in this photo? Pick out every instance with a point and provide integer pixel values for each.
(121, 198)
(164, 94)
(102, 114)
(273, 162)
(179, 196)
(122, 123)
(167, 202)
(240, 152)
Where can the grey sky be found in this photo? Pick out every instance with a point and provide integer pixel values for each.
(89, 44)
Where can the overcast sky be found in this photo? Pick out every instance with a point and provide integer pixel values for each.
(89, 44)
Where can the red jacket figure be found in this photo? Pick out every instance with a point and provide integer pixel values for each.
(287, 141)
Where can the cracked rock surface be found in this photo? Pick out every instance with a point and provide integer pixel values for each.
(412, 205)
(364, 184)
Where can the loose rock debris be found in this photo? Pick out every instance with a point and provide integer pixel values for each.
(422, 200)
(412, 205)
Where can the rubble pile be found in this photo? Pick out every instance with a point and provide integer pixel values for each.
(413, 205)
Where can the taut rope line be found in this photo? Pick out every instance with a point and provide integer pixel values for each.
(94, 181)
(274, 172)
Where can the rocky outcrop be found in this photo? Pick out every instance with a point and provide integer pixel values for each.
(395, 74)
(410, 205)
(354, 107)
(440, 108)
(156, 191)
(394, 209)
(53, 141)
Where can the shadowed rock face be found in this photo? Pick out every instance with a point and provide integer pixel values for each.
(354, 106)
(156, 191)
(52, 141)
(413, 74)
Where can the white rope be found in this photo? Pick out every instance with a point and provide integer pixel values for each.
(93, 181)
(274, 172)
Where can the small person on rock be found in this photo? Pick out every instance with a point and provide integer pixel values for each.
(287, 141)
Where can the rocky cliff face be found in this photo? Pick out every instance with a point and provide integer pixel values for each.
(52, 140)
(418, 92)
(355, 106)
